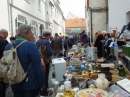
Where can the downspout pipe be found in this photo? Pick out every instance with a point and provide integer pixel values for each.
(91, 24)
(91, 35)
(10, 16)
(91, 32)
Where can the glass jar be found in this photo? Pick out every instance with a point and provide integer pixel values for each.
(121, 71)
(69, 93)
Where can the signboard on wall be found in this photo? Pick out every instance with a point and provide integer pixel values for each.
(75, 29)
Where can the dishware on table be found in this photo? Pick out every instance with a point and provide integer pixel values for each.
(74, 82)
(82, 67)
(68, 93)
(55, 88)
(89, 82)
(75, 91)
(56, 85)
(101, 82)
(92, 92)
(67, 85)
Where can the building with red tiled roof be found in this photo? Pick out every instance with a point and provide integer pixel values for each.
(75, 25)
(72, 16)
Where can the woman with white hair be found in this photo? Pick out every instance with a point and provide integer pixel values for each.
(104, 32)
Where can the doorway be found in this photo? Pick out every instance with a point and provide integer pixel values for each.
(41, 29)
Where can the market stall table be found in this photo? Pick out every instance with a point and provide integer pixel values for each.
(112, 74)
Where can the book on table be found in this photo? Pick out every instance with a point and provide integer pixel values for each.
(125, 84)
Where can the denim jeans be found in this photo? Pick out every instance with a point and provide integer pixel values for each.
(45, 92)
(25, 93)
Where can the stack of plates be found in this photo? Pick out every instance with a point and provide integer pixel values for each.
(92, 92)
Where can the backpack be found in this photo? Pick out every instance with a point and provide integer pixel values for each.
(46, 57)
(11, 70)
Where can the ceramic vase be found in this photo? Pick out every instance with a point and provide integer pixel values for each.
(101, 82)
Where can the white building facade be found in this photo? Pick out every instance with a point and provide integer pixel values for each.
(119, 14)
(31, 12)
(4, 19)
(36, 13)
(58, 18)
(96, 13)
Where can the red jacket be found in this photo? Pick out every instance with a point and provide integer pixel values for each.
(81, 40)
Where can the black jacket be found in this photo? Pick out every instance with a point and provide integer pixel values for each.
(99, 45)
(56, 43)
(107, 48)
(3, 43)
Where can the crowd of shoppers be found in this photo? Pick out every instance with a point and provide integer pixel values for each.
(102, 42)
(28, 53)
(38, 53)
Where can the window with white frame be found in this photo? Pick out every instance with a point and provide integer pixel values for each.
(51, 10)
(39, 5)
(51, 6)
(19, 20)
(50, 30)
(55, 12)
(34, 28)
(54, 26)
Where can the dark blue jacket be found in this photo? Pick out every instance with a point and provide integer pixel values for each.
(66, 42)
(85, 38)
(28, 53)
(47, 44)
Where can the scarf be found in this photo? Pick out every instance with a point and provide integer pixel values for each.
(20, 38)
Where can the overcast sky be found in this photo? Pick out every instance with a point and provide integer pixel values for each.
(75, 6)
